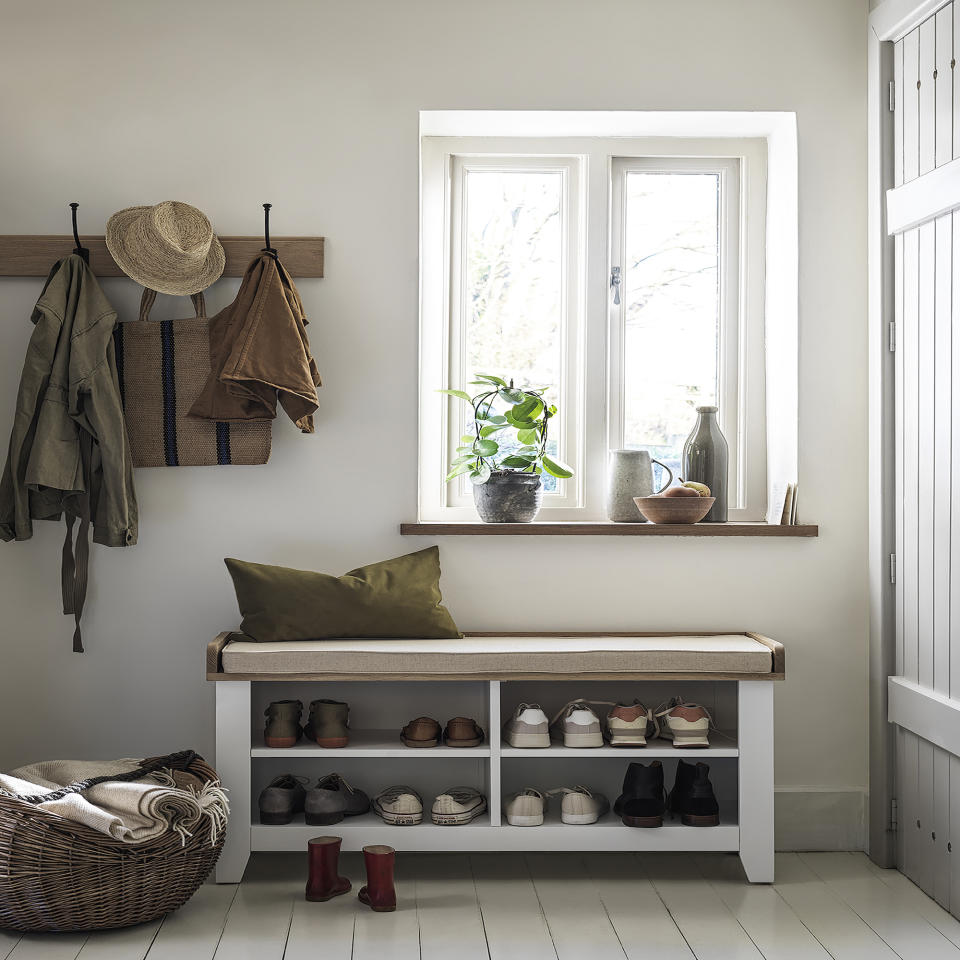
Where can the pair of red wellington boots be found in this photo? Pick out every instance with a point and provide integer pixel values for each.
(324, 881)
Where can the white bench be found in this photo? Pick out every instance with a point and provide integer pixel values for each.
(484, 675)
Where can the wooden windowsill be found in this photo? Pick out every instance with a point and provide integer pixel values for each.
(607, 529)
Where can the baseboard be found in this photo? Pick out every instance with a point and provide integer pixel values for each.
(813, 818)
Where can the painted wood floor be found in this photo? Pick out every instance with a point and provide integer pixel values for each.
(543, 907)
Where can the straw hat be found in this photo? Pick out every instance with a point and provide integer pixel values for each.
(169, 247)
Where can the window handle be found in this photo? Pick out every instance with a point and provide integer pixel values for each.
(615, 283)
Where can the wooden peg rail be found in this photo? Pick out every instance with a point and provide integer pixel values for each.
(33, 256)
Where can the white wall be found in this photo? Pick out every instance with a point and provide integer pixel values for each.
(314, 107)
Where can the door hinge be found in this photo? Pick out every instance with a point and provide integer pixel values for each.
(894, 822)
(893, 568)
(892, 336)
(892, 95)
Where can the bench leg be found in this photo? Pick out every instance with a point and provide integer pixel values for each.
(233, 765)
(755, 766)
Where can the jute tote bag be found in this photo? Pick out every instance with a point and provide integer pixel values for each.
(163, 366)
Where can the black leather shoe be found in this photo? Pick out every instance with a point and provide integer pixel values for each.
(281, 799)
(692, 796)
(642, 802)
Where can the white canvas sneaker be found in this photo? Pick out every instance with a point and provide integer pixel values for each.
(577, 725)
(686, 724)
(458, 805)
(580, 805)
(528, 728)
(399, 805)
(525, 809)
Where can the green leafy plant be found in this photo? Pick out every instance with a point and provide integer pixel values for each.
(487, 450)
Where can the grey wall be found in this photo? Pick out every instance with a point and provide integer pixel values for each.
(314, 106)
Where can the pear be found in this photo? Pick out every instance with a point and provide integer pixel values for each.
(701, 489)
(679, 492)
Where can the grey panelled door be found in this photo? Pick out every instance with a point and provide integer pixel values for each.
(925, 693)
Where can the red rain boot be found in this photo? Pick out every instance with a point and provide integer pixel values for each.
(324, 882)
(379, 893)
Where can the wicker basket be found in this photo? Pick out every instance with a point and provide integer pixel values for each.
(59, 875)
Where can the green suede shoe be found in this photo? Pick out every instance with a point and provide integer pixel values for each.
(283, 723)
(327, 723)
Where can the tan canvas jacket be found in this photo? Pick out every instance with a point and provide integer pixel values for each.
(259, 353)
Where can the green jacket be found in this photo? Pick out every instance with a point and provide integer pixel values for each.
(69, 455)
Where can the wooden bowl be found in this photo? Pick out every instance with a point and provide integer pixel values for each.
(674, 509)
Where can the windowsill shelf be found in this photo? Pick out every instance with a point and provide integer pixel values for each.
(608, 529)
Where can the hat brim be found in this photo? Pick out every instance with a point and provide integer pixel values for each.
(192, 279)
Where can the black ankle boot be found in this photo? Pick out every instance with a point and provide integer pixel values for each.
(692, 796)
(642, 802)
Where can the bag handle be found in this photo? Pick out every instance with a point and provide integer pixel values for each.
(150, 296)
(179, 761)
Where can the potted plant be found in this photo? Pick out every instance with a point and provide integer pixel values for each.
(505, 453)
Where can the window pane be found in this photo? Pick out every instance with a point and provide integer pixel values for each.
(513, 280)
(671, 305)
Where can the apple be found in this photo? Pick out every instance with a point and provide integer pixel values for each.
(679, 492)
(702, 490)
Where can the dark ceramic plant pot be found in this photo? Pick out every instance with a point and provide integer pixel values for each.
(509, 497)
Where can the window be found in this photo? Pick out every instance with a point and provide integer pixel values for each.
(626, 275)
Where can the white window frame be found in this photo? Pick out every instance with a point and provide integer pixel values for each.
(594, 404)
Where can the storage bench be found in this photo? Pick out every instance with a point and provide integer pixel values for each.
(485, 676)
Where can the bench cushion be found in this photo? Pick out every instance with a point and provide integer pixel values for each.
(503, 656)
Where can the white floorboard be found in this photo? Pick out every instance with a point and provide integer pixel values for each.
(638, 915)
(904, 930)
(705, 921)
(512, 919)
(542, 906)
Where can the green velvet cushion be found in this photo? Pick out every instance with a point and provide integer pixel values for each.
(393, 598)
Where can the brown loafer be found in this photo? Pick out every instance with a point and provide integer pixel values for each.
(463, 732)
(422, 732)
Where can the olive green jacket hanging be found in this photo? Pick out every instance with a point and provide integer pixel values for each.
(69, 454)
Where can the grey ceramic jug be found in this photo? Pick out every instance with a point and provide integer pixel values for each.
(631, 475)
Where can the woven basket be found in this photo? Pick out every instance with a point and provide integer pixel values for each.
(57, 875)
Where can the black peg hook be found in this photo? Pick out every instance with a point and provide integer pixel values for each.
(266, 231)
(79, 250)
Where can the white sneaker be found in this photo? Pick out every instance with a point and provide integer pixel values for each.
(525, 809)
(399, 805)
(528, 727)
(577, 725)
(580, 805)
(458, 805)
(686, 724)
(629, 725)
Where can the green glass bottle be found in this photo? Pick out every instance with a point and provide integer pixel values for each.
(705, 460)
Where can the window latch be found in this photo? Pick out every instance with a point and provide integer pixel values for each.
(615, 283)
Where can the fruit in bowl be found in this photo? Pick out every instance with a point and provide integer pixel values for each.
(701, 489)
(676, 508)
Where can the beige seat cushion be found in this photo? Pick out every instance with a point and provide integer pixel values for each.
(503, 656)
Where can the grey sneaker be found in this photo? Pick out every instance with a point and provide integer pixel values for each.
(525, 809)
(458, 805)
(576, 725)
(399, 805)
(282, 797)
(326, 803)
(528, 728)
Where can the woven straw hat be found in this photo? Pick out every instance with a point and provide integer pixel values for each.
(169, 247)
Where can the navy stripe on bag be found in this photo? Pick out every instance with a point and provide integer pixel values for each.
(169, 395)
(223, 442)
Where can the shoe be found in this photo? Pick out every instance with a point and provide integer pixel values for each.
(525, 809)
(458, 805)
(379, 893)
(577, 725)
(355, 801)
(323, 880)
(629, 725)
(327, 723)
(686, 724)
(692, 796)
(422, 732)
(528, 728)
(580, 805)
(462, 732)
(641, 804)
(280, 799)
(325, 804)
(399, 805)
(283, 723)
